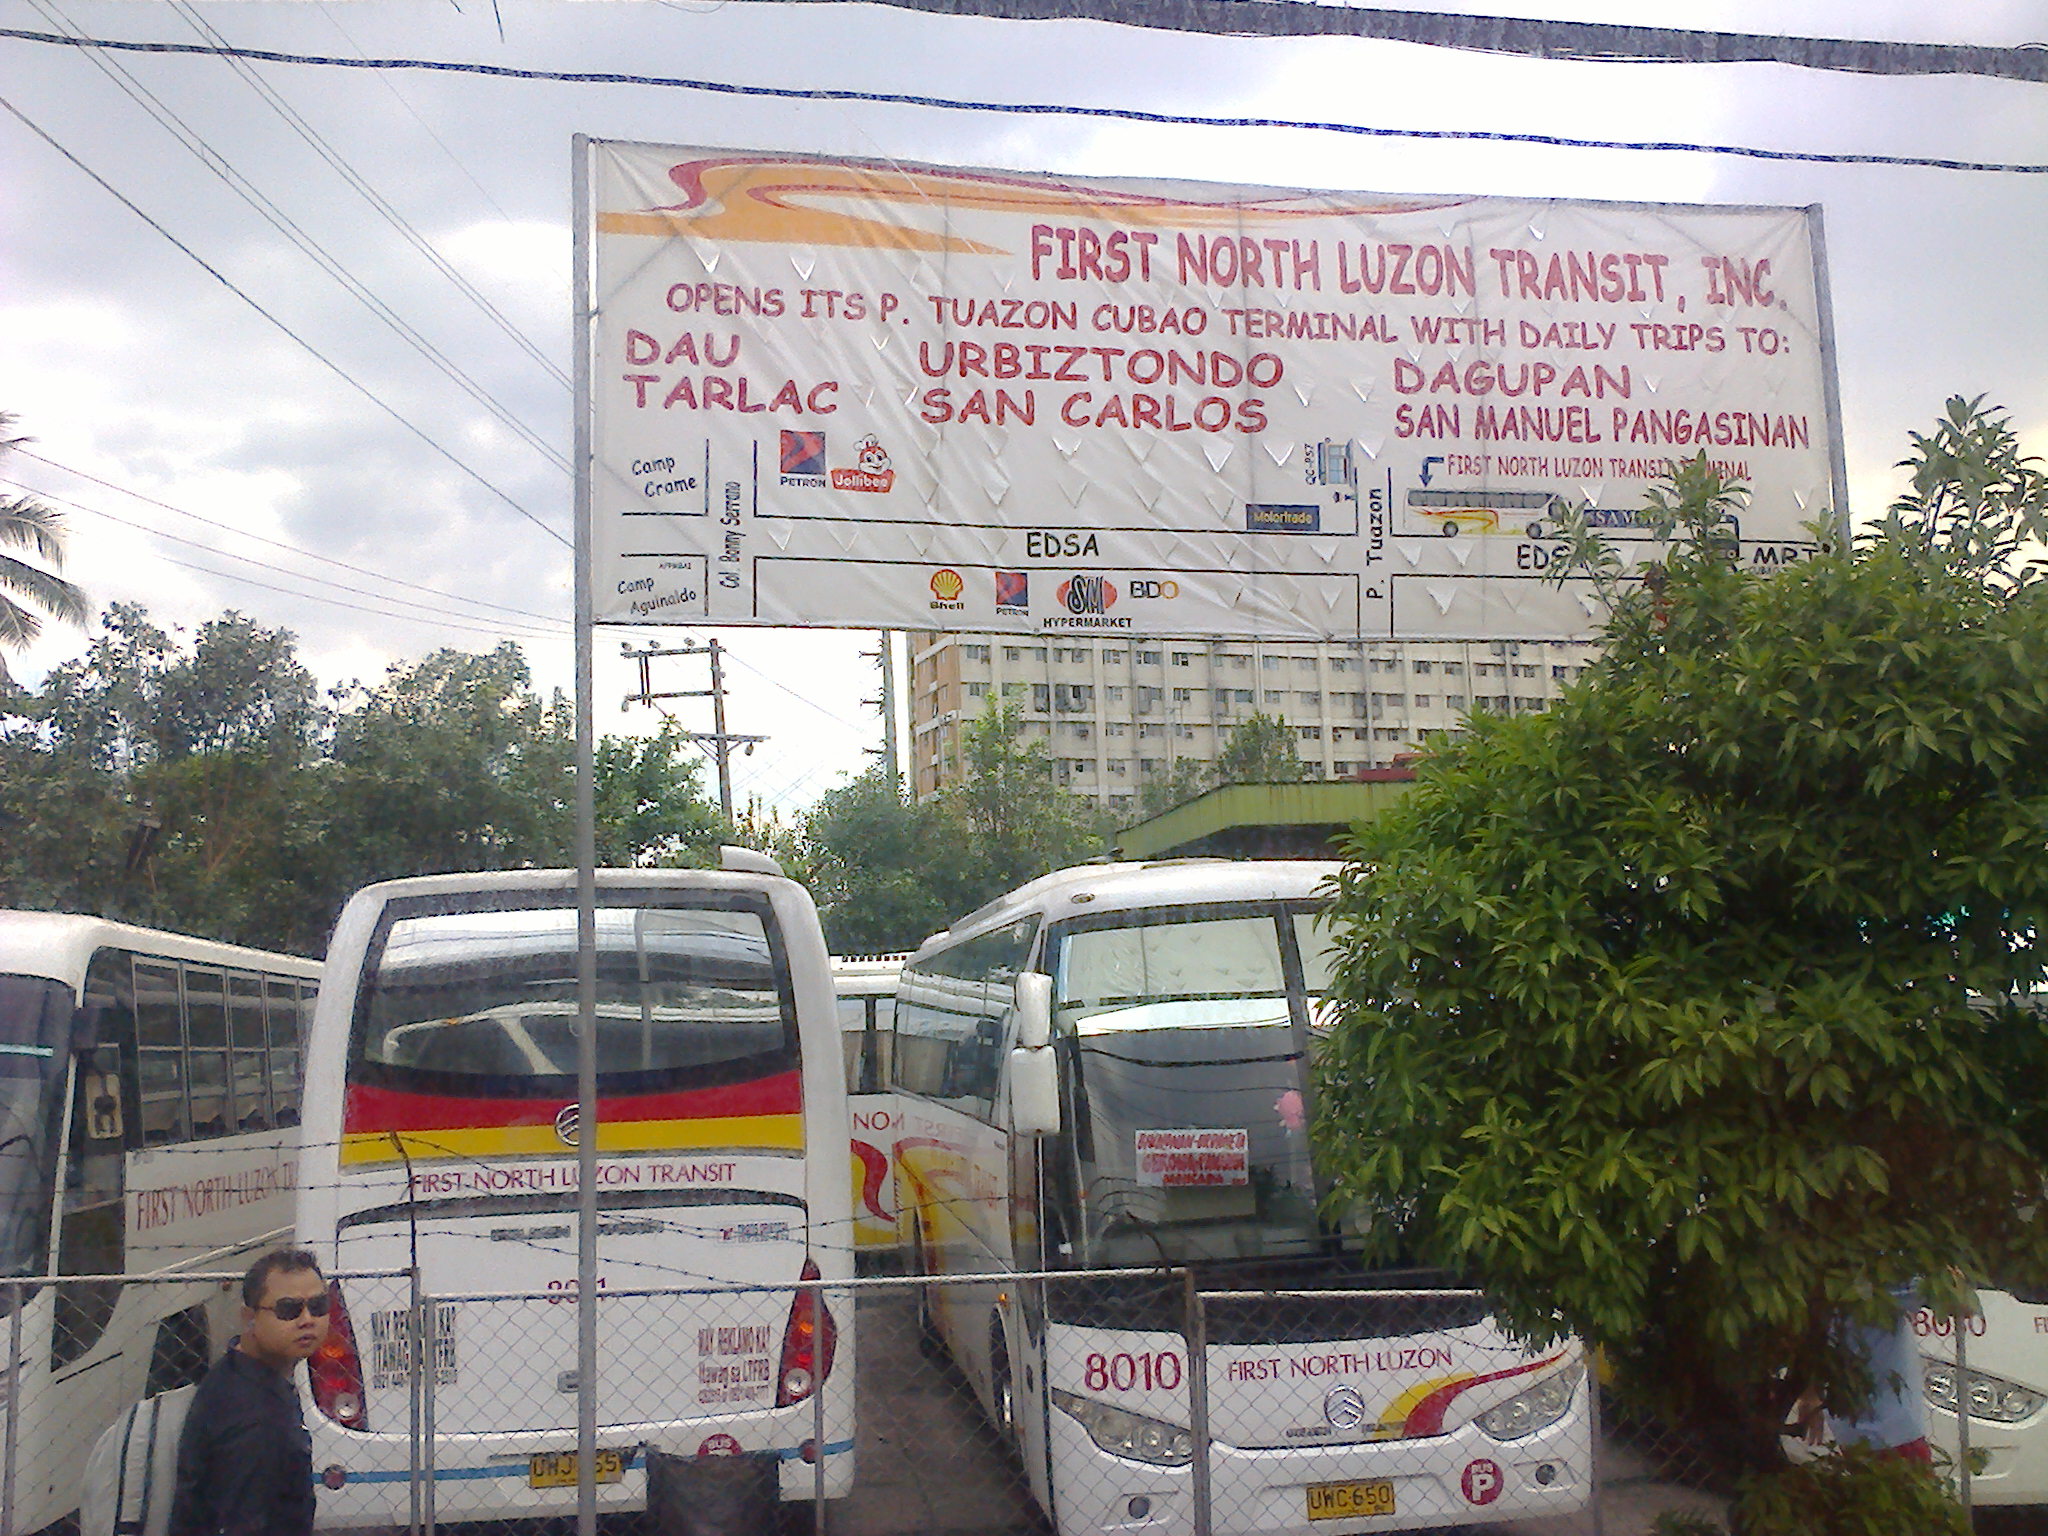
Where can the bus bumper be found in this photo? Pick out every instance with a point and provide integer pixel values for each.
(1461, 1478)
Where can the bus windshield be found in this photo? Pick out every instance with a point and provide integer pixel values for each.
(35, 1017)
(482, 1004)
(1189, 1047)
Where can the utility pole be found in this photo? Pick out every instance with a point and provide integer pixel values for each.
(718, 741)
(886, 653)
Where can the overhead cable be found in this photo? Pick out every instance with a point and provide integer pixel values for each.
(219, 166)
(314, 352)
(318, 143)
(305, 554)
(1050, 109)
(531, 630)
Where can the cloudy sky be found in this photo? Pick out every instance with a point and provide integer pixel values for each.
(434, 467)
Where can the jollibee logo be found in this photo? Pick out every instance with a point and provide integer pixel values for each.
(872, 468)
(1482, 1481)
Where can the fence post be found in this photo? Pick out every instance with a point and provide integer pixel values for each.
(429, 1321)
(1198, 1401)
(13, 1407)
(1595, 1454)
(818, 1410)
(416, 1368)
(1962, 1413)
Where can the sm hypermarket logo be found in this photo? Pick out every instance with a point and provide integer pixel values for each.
(947, 587)
(1086, 594)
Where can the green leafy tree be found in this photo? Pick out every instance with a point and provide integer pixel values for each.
(1261, 749)
(650, 803)
(887, 871)
(1664, 1014)
(1184, 779)
(1021, 821)
(27, 586)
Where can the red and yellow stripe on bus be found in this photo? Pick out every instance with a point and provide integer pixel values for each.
(765, 1115)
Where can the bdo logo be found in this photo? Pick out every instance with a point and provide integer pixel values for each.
(1086, 594)
(1154, 587)
(947, 585)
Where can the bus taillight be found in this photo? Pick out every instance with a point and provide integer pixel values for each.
(337, 1370)
(807, 1344)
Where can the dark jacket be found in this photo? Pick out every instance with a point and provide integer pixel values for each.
(245, 1464)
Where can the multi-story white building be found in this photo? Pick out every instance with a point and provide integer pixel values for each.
(1118, 713)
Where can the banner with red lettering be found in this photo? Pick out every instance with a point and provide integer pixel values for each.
(834, 392)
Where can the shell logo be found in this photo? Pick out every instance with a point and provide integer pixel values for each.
(947, 585)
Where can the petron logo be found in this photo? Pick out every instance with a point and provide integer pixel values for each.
(946, 589)
(1344, 1408)
(566, 1124)
(1086, 594)
(1013, 591)
(803, 458)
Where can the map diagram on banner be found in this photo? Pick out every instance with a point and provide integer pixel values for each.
(838, 393)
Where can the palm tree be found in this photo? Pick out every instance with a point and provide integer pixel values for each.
(27, 524)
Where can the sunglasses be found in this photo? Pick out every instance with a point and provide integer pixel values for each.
(288, 1307)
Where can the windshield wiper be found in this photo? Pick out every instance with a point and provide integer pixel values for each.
(1202, 1061)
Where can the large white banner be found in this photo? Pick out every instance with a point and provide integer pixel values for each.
(831, 392)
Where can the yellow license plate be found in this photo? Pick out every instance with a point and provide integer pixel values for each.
(557, 1469)
(1351, 1501)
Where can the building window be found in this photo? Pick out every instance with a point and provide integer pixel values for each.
(1015, 690)
(1385, 733)
(1529, 706)
(1237, 663)
(1386, 664)
(1183, 658)
(1183, 695)
(1343, 664)
(1013, 653)
(1422, 701)
(1422, 668)
(1310, 732)
(1454, 669)
(1185, 732)
(1560, 674)
(1489, 669)
(977, 690)
(1150, 658)
(1146, 731)
(1112, 658)
(1524, 669)
(1120, 767)
(1148, 766)
(1454, 701)
(1311, 701)
(1149, 699)
(1116, 728)
(974, 652)
(1041, 698)
(1270, 663)
(1304, 663)
(1073, 698)
(1113, 695)
(1390, 701)
(1241, 695)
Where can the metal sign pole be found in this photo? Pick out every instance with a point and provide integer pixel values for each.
(586, 882)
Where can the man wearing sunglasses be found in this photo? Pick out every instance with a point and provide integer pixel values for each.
(245, 1464)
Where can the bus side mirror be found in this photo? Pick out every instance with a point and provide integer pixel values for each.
(1034, 1092)
(1034, 1010)
(85, 1027)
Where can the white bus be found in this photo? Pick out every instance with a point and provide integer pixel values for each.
(441, 1119)
(149, 1094)
(866, 985)
(1107, 1069)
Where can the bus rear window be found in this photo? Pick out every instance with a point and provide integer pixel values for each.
(483, 1003)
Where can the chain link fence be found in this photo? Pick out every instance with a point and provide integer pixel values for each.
(1131, 1401)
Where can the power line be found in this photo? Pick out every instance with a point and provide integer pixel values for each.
(390, 214)
(317, 355)
(306, 554)
(262, 565)
(224, 170)
(1049, 109)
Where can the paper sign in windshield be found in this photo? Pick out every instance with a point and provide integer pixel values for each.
(1194, 1159)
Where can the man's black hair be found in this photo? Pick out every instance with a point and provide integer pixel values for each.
(280, 1261)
